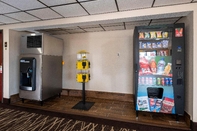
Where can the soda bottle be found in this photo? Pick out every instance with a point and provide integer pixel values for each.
(167, 69)
(150, 80)
(160, 66)
(158, 81)
(154, 81)
(162, 81)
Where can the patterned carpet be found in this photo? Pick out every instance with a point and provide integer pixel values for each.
(17, 120)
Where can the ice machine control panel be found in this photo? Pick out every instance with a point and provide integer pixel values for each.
(28, 74)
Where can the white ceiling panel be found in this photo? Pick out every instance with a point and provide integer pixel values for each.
(113, 24)
(195, 0)
(100, 6)
(57, 2)
(90, 26)
(133, 4)
(7, 20)
(94, 29)
(44, 14)
(71, 10)
(75, 31)
(165, 20)
(170, 2)
(4, 8)
(22, 16)
(24, 4)
(58, 32)
(110, 28)
(162, 23)
(145, 22)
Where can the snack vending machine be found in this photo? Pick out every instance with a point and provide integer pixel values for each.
(159, 68)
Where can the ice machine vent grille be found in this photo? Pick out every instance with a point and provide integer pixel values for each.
(34, 41)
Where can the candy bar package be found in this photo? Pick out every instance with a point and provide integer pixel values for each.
(147, 35)
(165, 43)
(165, 34)
(167, 105)
(153, 35)
(142, 103)
(159, 34)
(141, 35)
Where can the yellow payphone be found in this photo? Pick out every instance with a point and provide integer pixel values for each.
(82, 66)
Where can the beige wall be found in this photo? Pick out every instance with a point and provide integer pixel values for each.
(14, 52)
(109, 72)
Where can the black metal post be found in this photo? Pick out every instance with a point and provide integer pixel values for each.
(83, 93)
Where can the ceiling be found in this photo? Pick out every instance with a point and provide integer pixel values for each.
(23, 11)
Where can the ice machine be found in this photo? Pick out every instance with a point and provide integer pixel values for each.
(40, 67)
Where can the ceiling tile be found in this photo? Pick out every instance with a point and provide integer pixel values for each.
(7, 20)
(144, 22)
(22, 16)
(24, 4)
(4, 8)
(134, 4)
(165, 20)
(110, 28)
(90, 26)
(100, 6)
(44, 14)
(170, 2)
(75, 31)
(132, 24)
(195, 0)
(162, 23)
(94, 29)
(70, 28)
(71, 10)
(58, 32)
(113, 24)
(57, 2)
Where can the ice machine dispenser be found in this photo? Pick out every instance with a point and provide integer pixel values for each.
(28, 74)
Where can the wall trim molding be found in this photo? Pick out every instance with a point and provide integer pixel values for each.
(99, 94)
(6, 100)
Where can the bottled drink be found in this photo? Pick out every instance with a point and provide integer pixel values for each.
(167, 69)
(160, 66)
(162, 81)
(158, 81)
(154, 81)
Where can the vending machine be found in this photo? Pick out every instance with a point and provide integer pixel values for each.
(159, 68)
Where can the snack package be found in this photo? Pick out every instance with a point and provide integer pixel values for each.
(159, 34)
(178, 32)
(165, 34)
(154, 45)
(144, 46)
(159, 45)
(158, 104)
(142, 103)
(151, 53)
(140, 45)
(153, 35)
(152, 104)
(141, 35)
(147, 35)
(165, 43)
(167, 105)
(148, 44)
